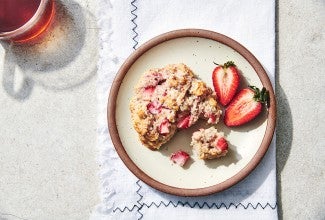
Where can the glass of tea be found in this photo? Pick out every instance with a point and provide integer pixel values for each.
(23, 20)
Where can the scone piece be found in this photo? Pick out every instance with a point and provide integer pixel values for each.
(209, 143)
(167, 99)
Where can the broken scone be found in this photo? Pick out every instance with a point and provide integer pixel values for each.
(168, 99)
(209, 143)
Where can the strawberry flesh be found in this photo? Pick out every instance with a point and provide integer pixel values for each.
(154, 107)
(180, 157)
(184, 122)
(225, 82)
(164, 126)
(245, 106)
(149, 90)
(222, 144)
(212, 119)
(157, 78)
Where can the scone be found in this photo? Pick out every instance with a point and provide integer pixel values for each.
(167, 99)
(209, 143)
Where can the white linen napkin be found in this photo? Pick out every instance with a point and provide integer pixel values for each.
(127, 24)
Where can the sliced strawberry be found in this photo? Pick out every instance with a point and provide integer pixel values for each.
(225, 82)
(222, 144)
(180, 157)
(154, 107)
(164, 126)
(245, 106)
(149, 90)
(184, 122)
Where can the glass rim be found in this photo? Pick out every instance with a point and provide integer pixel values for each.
(28, 25)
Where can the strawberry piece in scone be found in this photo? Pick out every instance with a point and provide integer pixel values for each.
(148, 91)
(164, 127)
(184, 121)
(154, 107)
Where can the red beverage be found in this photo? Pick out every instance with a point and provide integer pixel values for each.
(23, 20)
(15, 13)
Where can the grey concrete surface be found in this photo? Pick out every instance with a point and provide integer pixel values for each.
(300, 85)
(48, 121)
(48, 112)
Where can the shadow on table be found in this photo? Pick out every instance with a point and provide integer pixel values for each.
(284, 129)
(47, 62)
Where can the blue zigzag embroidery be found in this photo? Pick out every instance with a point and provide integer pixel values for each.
(206, 205)
(133, 20)
(139, 200)
(125, 209)
(203, 205)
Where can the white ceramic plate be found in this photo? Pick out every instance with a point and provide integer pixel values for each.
(198, 49)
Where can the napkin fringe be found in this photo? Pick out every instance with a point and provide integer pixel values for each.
(105, 157)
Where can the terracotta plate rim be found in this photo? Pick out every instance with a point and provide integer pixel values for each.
(181, 33)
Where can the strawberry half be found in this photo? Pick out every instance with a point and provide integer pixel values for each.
(245, 106)
(180, 157)
(225, 81)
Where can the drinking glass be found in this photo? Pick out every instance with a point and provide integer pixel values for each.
(23, 20)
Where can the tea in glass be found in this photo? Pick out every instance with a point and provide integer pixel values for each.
(24, 20)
